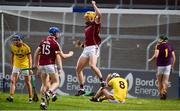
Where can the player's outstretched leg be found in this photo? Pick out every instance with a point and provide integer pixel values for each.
(79, 73)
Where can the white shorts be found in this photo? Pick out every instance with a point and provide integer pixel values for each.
(115, 101)
(17, 71)
(90, 50)
(165, 70)
(48, 69)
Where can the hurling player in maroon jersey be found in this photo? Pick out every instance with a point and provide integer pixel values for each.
(165, 60)
(48, 61)
(91, 47)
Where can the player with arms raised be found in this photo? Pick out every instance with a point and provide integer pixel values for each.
(165, 60)
(21, 58)
(119, 86)
(91, 47)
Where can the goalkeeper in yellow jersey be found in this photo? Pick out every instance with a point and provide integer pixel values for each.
(119, 92)
(21, 58)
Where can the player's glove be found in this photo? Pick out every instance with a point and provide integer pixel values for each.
(79, 44)
(60, 72)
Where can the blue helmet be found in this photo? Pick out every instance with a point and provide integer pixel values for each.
(54, 30)
(18, 36)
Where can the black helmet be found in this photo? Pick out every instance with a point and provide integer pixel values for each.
(163, 37)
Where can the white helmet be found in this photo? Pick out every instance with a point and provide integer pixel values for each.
(115, 75)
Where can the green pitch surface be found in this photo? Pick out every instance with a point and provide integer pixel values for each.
(82, 103)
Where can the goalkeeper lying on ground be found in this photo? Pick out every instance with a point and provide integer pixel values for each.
(119, 86)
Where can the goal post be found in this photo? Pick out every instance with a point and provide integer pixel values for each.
(131, 24)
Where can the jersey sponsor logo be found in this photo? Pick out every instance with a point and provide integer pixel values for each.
(71, 83)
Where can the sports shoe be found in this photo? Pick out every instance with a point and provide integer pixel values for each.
(30, 100)
(103, 83)
(80, 93)
(47, 96)
(43, 106)
(102, 98)
(163, 96)
(93, 99)
(54, 98)
(10, 99)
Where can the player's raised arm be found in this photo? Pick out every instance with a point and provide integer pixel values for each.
(98, 13)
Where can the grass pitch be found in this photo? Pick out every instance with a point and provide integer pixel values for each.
(83, 103)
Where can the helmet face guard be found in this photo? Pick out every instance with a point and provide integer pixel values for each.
(90, 15)
(18, 37)
(114, 75)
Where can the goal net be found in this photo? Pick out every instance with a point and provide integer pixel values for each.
(131, 31)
